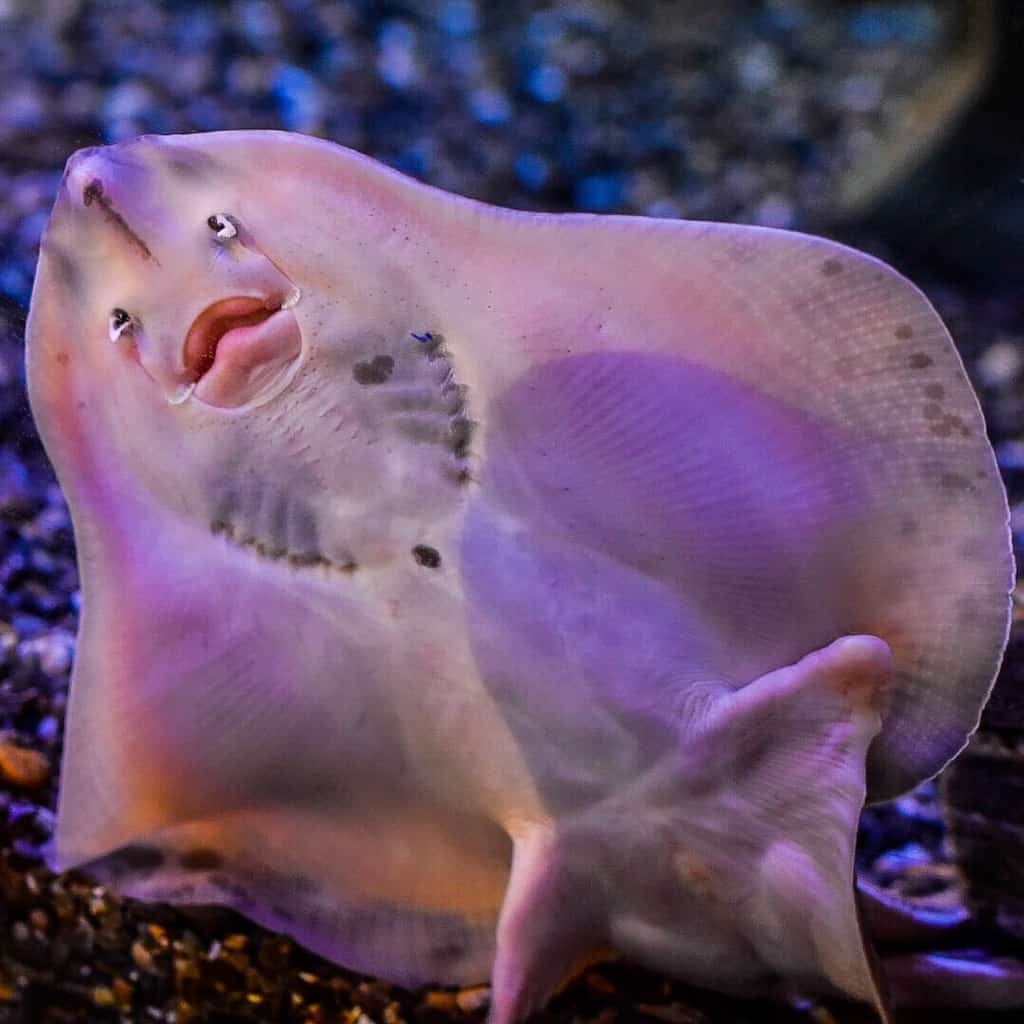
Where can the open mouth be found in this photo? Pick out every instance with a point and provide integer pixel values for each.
(236, 345)
(216, 321)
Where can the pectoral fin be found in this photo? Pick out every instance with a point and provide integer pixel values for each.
(394, 891)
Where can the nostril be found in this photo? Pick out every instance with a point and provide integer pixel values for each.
(92, 191)
(106, 165)
(81, 176)
(105, 180)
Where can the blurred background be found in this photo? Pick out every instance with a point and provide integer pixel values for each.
(895, 126)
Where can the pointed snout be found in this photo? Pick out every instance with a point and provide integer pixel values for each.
(95, 170)
(111, 189)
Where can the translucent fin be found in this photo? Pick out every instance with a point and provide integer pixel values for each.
(778, 427)
(550, 924)
(784, 757)
(276, 788)
(169, 608)
(729, 863)
(392, 894)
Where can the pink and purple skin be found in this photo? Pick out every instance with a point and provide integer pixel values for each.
(518, 587)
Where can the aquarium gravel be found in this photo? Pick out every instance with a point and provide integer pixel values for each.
(728, 111)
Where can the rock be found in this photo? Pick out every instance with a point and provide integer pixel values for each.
(469, 1000)
(984, 796)
(23, 767)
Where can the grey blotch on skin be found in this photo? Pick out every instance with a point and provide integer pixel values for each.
(375, 371)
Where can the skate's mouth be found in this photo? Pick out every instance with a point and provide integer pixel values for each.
(237, 347)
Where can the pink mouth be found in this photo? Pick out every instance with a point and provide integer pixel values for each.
(238, 347)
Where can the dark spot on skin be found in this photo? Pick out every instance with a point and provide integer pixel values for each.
(831, 267)
(454, 396)
(936, 391)
(200, 858)
(93, 193)
(137, 859)
(955, 482)
(909, 527)
(304, 559)
(460, 434)
(426, 556)
(919, 360)
(298, 559)
(455, 432)
(431, 344)
(944, 425)
(219, 527)
(62, 358)
(373, 371)
(904, 331)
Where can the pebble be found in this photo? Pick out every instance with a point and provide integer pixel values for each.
(52, 651)
(441, 1000)
(143, 958)
(8, 641)
(1001, 362)
(103, 996)
(897, 862)
(470, 1000)
(22, 766)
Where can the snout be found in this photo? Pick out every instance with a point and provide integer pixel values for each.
(97, 169)
(111, 188)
